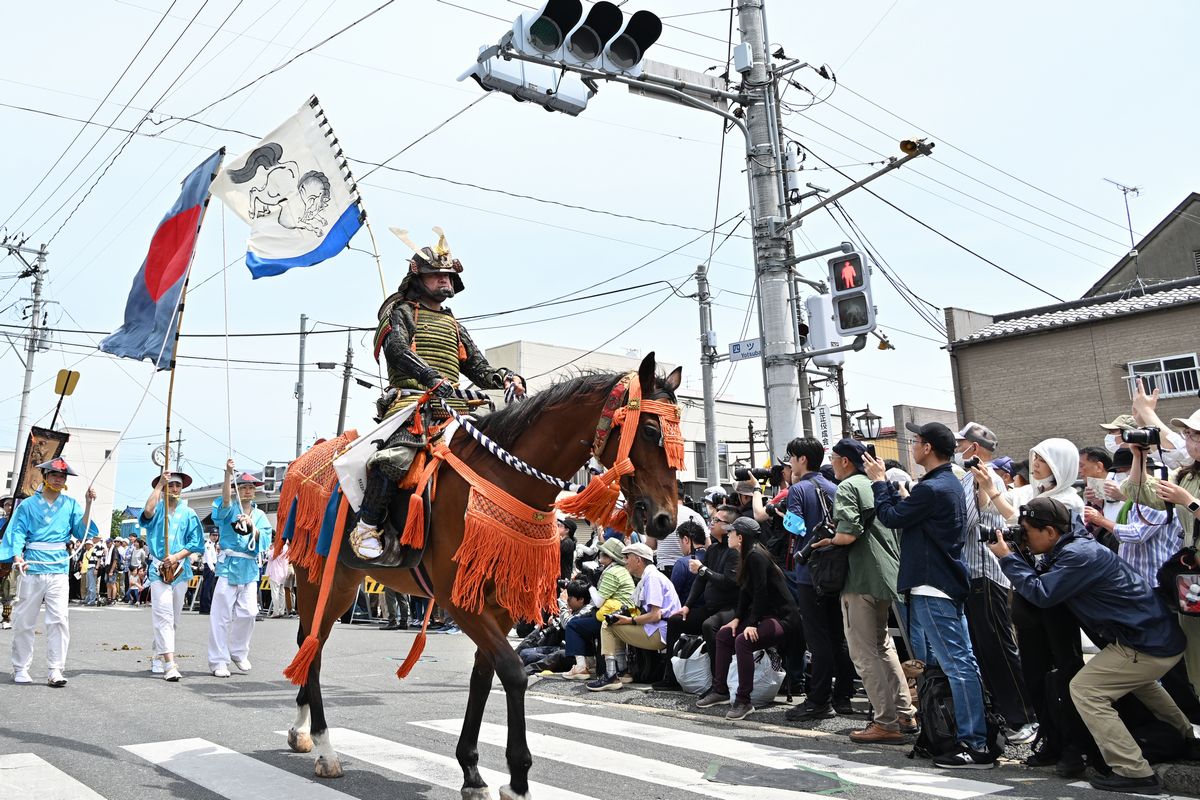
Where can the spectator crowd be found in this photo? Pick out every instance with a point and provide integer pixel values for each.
(1049, 598)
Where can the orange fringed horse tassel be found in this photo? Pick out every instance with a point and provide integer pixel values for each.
(310, 481)
(414, 526)
(418, 647)
(297, 671)
(515, 554)
(599, 498)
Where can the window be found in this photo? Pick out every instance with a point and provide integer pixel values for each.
(1173, 376)
(107, 453)
(701, 470)
(1196, 260)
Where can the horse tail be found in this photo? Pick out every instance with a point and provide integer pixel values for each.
(267, 155)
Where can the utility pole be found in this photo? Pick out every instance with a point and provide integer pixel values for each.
(708, 355)
(764, 161)
(178, 442)
(346, 383)
(841, 387)
(300, 388)
(37, 271)
(750, 436)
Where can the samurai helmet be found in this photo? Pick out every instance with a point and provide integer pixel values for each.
(435, 260)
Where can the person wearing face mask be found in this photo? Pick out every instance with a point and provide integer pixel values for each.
(989, 619)
(1183, 489)
(169, 519)
(1048, 639)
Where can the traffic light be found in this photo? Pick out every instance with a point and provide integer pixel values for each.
(822, 333)
(559, 33)
(850, 285)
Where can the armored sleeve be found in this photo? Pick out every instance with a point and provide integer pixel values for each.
(476, 366)
(398, 338)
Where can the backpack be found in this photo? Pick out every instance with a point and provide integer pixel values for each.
(1179, 578)
(827, 566)
(939, 730)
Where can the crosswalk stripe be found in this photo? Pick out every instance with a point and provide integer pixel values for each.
(763, 755)
(425, 766)
(229, 774)
(631, 766)
(26, 775)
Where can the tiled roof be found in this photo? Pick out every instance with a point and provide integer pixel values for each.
(1108, 306)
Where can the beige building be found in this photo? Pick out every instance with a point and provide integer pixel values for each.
(1064, 369)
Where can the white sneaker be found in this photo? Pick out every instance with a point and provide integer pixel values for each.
(1023, 735)
(156, 666)
(56, 679)
(5, 625)
(242, 663)
(577, 673)
(22, 676)
(220, 671)
(365, 542)
(172, 673)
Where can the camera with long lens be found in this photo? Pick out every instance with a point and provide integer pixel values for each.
(971, 462)
(805, 553)
(751, 473)
(1012, 535)
(1146, 437)
(623, 611)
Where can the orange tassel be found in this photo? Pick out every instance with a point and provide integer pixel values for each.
(595, 503)
(414, 528)
(297, 671)
(418, 646)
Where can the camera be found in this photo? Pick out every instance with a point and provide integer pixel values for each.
(805, 553)
(1146, 437)
(754, 473)
(1012, 535)
(971, 462)
(623, 611)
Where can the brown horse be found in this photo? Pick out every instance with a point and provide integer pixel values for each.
(552, 431)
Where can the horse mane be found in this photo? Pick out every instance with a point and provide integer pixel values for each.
(506, 424)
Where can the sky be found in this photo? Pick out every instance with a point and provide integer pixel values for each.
(1031, 110)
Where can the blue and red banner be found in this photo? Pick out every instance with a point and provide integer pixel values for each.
(151, 317)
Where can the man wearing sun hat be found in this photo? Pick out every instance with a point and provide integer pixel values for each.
(173, 533)
(245, 534)
(36, 540)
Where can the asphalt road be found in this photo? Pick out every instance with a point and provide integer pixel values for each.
(117, 732)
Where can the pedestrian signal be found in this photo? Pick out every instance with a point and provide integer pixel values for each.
(850, 283)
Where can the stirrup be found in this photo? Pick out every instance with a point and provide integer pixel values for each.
(365, 541)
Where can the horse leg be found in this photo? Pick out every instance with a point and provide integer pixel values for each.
(474, 787)
(310, 706)
(486, 632)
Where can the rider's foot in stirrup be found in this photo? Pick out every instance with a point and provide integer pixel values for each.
(366, 541)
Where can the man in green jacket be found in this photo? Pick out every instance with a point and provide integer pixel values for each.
(870, 590)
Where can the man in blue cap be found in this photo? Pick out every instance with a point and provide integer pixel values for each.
(245, 535)
(169, 522)
(36, 539)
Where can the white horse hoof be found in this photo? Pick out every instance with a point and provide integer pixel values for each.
(506, 793)
(480, 793)
(299, 742)
(328, 768)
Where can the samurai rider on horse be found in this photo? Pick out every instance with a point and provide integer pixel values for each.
(425, 348)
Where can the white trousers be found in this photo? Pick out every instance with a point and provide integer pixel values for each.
(166, 604)
(231, 621)
(36, 589)
(278, 607)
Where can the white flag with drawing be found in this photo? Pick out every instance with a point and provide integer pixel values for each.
(295, 190)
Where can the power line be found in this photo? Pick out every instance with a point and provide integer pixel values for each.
(92, 116)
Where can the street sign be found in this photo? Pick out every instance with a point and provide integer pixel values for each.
(749, 348)
(824, 425)
(65, 383)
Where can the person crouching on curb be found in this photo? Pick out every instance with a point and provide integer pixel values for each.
(766, 616)
(166, 598)
(1107, 596)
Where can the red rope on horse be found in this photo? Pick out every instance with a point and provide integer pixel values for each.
(418, 646)
(297, 671)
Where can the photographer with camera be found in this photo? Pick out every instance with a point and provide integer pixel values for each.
(769, 515)
(543, 649)
(714, 593)
(644, 626)
(989, 618)
(808, 520)
(1107, 595)
(934, 579)
(1173, 447)
(765, 617)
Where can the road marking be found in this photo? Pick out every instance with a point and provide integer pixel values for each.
(425, 766)
(26, 775)
(762, 755)
(229, 774)
(554, 701)
(648, 770)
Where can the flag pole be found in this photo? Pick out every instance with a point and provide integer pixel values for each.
(375, 250)
(174, 355)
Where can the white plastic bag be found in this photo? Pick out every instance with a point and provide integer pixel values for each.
(351, 466)
(767, 679)
(693, 673)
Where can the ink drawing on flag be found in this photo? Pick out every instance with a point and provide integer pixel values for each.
(295, 191)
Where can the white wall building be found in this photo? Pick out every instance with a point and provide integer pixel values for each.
(85, 452)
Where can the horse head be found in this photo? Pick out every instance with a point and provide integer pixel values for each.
(651, 489)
